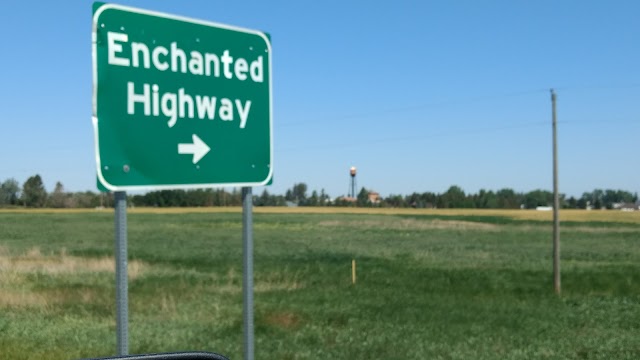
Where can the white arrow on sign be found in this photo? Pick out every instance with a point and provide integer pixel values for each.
(199, 149)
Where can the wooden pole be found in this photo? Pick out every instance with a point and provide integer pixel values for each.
(556, 201)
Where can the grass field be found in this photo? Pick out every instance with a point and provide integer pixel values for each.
(431, 284)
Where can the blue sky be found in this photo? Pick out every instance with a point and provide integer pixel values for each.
(419, 95)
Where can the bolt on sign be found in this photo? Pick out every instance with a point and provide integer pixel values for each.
(178, 102)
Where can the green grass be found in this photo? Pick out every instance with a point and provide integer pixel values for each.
(429, 286)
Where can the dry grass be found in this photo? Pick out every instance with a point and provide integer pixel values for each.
(632, 217)
(285, 320)
(33, 261)
(14, 272)
(142, 210)
(10, 298)
(18, 292)
(565, 215)
(258, 287)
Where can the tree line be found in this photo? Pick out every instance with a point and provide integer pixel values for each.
(507, 198)
(33, 194)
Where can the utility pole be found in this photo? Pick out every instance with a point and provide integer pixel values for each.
(556, 201)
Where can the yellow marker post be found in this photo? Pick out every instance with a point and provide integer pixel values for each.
(353, 271)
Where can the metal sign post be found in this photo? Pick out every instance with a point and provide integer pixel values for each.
(122, 291)
(247, 271)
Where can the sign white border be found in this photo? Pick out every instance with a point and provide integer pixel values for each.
(94, 117)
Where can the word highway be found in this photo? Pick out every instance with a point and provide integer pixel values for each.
(180, 105)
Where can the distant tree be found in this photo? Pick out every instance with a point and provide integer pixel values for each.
(417, 200)
(324, 198)
(139, 200)
(572, 203)
(300, 193)
(289, 195)
(486, 199)
(612, 197)
(198, 197)
(363, 197)
(58, 198)
(430, 198)
(508, 199)
(278, 200)
(297, 194)
(88, 199)
(342, 201)
(396, 201)
(597, 204)
(9, 190)
(235, 198)
(33, 192)
(264, 199)
(413, 200)
(598, 198)
(585, 200)
(220, 197)
(314, 199)
(454, 197)
(536, 198)
(594, 198)
(581, 203)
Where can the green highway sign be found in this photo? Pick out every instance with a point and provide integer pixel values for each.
(179, 103)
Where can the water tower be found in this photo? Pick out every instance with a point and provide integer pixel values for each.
(352, 183)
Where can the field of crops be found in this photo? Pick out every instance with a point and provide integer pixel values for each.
(431, 284)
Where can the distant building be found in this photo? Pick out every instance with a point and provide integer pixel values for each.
(628, 207)
(374, 197)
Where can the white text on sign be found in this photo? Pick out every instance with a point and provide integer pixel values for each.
(181, 105)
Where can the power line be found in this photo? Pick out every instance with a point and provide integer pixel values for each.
(600, 121)
(458, 132)
(420, 107)
(462, 101)
(599, 87)
(386, 140)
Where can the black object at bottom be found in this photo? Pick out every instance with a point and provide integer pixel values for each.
(196, 355)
